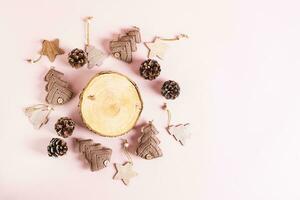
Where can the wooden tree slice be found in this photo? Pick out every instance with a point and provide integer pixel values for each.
(110, 104)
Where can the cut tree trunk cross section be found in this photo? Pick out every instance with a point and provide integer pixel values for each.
(110, 104)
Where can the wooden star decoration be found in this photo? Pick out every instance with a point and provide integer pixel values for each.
(157, 48)
(95, 56)
(180, 132)
(51, 49)
(124, 172)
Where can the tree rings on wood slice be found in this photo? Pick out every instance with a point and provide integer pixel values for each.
(110, 104)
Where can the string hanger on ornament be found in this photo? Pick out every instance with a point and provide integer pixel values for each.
(125, 171)
(87, 21)
(90, 56)
(165, 107)
(180, 132)
(125, 146)
(159, 46)
(95, 56)
(50, 49)
(177, 37)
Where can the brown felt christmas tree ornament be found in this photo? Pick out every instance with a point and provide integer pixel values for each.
(125, 45)
(58, 90)
(110, 104)
(148, 143)
(97, 155)
(50, 49)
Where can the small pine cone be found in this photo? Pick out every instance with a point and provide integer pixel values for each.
(77, 58)
(170, 89)
(64, 127)
(150, 69)
(57, 147)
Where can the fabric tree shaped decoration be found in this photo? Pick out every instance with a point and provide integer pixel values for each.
(125, 45)
(97, 155)
(148, 143)
(58, 90)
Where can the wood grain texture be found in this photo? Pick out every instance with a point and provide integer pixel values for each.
(110, 104)
(51, 49)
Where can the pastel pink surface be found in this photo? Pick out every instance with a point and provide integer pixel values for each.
(239, 77)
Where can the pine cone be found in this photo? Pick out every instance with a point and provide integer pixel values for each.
(77, 58)
(170, 89)
(64, 127)
(150, 69)
(57, 147)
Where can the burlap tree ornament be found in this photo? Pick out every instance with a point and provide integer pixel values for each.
(97, 155)
(59, 91)
(148, 143)
(123, 47)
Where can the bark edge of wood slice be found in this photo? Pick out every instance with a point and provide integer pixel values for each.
(110, 104)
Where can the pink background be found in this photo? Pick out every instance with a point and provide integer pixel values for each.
(239, 74)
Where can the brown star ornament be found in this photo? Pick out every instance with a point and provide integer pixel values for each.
(51, 49)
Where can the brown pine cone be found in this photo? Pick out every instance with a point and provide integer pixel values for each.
(150, 69)
(170, 90)
(77, 58)
(57, 147)
(64, 127)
